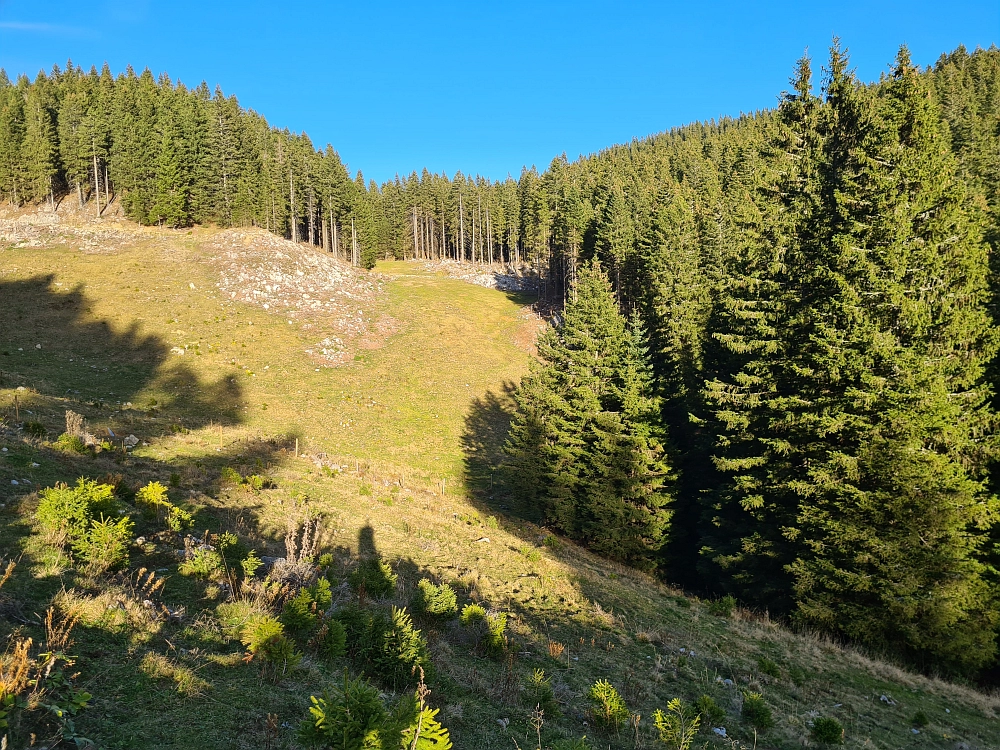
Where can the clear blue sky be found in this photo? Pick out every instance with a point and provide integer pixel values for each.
(483, 87)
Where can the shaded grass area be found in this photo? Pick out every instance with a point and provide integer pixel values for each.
(429, 404)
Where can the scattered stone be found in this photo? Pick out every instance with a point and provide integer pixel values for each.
(887, 700)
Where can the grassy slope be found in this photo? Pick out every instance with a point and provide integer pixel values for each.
(427, 404)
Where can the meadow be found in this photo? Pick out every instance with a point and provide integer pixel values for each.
(395, 447)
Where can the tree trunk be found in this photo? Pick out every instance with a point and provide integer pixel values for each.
(461, 227)
(354, 244)
(291, 207)
(97, 184)
(312, 219)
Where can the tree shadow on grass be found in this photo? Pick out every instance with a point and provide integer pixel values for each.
(50, 343)
(486, 476)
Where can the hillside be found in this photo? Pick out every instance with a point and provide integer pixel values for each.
(375, 402)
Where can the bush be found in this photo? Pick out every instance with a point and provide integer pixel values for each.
(757, 712)
(722, 607)
(677, 726)
(827, 731)
(203, 564)
(153, 500)
(250, 564)
(424, 731)
(151, 497)
(365, 629)
(302, 611)
(35, 429)
(265, 639)
(580, 744)
(348, 718)
(298, 614)
(472, 614)
(711, 712)
(920, 719)
(402, 651)
(388, 643)
(488, 627)
(435, 602)
(255, 482)
(69, 511)
(70, 443)
(235, 616)
(607, 707)
(106, 544)
(321, 594)
(330, 640)
(538, 693)
(768, 667)
(373, 577)
(230, 477)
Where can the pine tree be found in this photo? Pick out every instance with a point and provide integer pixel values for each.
(747, 530)
(585, 442)
(891, 413)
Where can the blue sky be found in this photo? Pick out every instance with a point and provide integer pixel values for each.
(482, 87)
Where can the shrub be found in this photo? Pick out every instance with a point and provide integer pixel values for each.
(722, 607)
(255, 482)
(298, 614)
(677, 726)
(768, 667)
(365, 629)
(489, 629)
(348, 718)
(234, 616)
(757, 712)
(373, 576)
(265, 639)
(229, 477)
(321, 594)
(106, 544)
(920, 719)
(538, 692)
(70, 443)
(472, 614)
(423, 731)
(580, 744)
(69, 511)
(711, 713)
(607, 707)
(330, 640)
(402, 651)
(203, 564)
(152, 496)
(178, 519)
(827, 731)
(387, 642)
(435, 602)
(250, 564)
(35, 429)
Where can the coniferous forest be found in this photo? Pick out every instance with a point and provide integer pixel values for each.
(773, 365)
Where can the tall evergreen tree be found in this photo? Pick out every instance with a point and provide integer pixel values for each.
(586, 430)
(888, 346)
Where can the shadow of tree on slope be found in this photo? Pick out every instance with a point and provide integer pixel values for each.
(50, 342)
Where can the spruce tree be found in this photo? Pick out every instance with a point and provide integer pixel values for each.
(585, 442)
(748, 517)
(890, 416)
